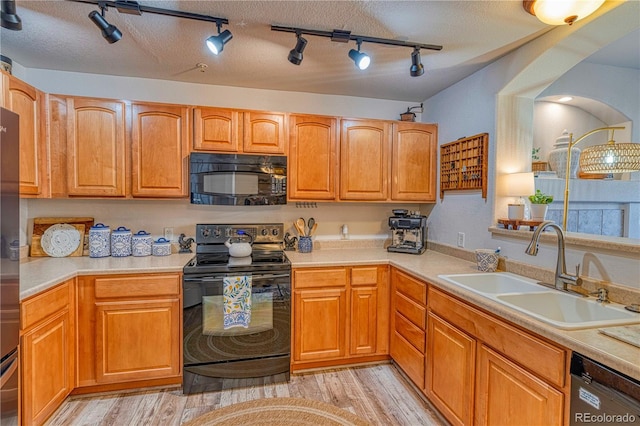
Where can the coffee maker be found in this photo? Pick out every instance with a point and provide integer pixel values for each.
(408, 232)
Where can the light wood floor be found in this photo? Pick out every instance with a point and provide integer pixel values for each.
(378, 394)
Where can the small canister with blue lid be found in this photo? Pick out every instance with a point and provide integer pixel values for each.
(141, 243)
(161, 247)
(99, 240)
(121, 242)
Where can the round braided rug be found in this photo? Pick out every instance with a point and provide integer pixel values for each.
(278, 412)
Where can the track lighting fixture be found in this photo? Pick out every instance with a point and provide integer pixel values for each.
(9, 19)
(295, 55)
(417, 69)
(216, 43)
(110, 32)
(361, 59)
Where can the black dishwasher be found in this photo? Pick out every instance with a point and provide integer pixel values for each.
(602, 396)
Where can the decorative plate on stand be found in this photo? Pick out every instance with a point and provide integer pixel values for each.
(60, 240)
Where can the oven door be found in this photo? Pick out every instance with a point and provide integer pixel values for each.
(262, 348)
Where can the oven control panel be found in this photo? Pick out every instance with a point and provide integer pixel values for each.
(219, 233)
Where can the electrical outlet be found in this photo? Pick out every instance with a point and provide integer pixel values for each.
(168, 234)
(460, 239)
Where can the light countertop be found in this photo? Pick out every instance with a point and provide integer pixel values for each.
(40, 274)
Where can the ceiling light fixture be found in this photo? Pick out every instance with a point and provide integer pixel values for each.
(295, 55)
(343, 36)
(560, 12)
(131, 7)
(361, 59)
(110, 32)
(216, 43)
(417, 69)
(9, 19)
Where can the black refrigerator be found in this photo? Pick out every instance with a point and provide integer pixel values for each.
(9, 266)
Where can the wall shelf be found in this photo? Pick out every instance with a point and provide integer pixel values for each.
(463, 164)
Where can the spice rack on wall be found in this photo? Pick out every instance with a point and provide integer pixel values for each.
(463, 164)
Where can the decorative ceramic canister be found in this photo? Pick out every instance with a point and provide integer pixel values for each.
(558, 157)
(99, 238)
(141, 243)
(121, 242)
(305, 245)
(161, 247)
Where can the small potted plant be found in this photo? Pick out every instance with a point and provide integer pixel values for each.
(539, 205)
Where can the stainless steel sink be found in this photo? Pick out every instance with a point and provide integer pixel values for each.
(562, 310)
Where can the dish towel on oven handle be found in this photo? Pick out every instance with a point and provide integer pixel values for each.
(237, 301)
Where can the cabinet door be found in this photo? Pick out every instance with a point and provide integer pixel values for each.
(159, 151)
(96, 155)
(264, 133)
(364, 160)
(136, 341)
(217, 129)
(364, 320)
(320, 321)
(450, 362)
(26, 101)
(509, 395)
(47, 370)
(57, 138)
(413, 162)
(312, 157)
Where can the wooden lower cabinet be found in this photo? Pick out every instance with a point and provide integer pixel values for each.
(482, 370)
(130, 330)
(340, 315)
(510, 395)
(320, 323)
(47, 352)
(408, 324)
(450, 370)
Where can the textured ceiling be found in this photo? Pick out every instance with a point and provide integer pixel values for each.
(58, 35)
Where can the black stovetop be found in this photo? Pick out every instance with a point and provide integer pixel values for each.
(221, 262)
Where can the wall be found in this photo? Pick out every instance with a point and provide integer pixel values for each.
(499, 99)
(364, 220)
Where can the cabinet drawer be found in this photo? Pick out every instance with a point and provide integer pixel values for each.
(326, 277)
(410, 332)
(540, 357)
(137, 286)
(408, 358)
(364, 276)
(411, 310)
(410, 287)
(41, 306)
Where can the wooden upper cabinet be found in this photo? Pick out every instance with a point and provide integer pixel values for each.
(413, 162)
(313, 145)
(217, 129)
(159, 150)
(264, 133)
(364, 160)
(96, 155)
(26, 101)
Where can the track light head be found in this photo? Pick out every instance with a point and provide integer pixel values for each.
(9, 19)
(417, 69)
(216, 43)
(361, 59)
(110, 32)
(295, 55)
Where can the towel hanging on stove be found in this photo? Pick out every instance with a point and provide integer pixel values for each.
(237, 301)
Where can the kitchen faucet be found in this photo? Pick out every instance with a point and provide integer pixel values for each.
(562, 277)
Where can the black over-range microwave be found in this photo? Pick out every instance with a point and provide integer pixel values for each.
(238, 179)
